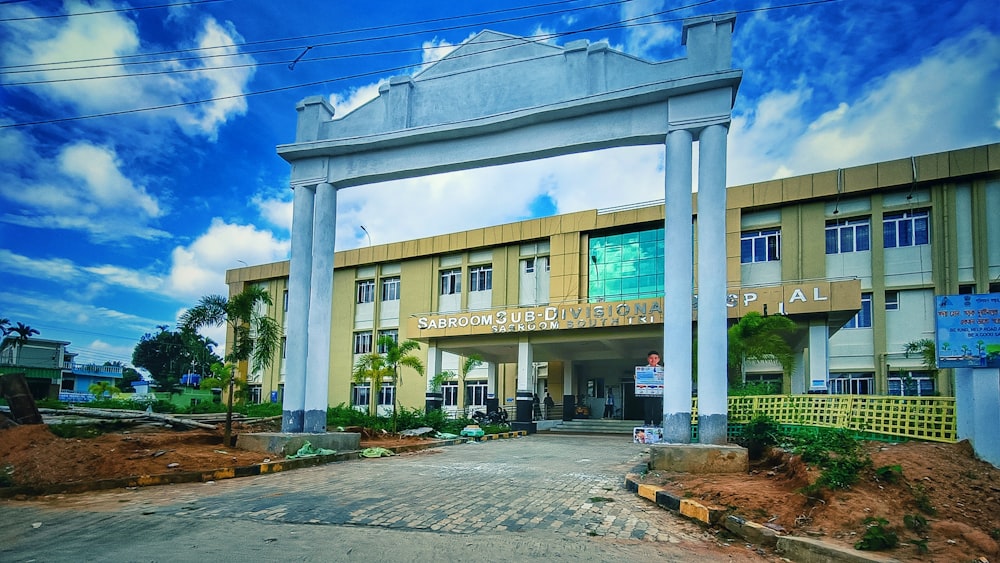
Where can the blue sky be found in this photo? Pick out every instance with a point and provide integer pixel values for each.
(110, 226)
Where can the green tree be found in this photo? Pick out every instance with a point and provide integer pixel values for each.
(377, 366)
(102, 389)
(925, 349)
(4, 326)
(164, 356)
(23, 332)
(255, 335)
(756, 338)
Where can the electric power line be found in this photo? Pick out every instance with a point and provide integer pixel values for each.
(601, 27)
(109, 11)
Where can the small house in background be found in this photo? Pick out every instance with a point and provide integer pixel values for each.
(51, 370)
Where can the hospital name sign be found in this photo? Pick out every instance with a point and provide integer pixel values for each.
(817, 297)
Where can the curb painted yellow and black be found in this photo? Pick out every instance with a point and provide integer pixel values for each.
(228, 472)
(792, 547)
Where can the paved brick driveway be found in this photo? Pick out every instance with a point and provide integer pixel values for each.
(534, 498)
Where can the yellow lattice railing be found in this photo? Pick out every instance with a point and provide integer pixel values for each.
(921, 418)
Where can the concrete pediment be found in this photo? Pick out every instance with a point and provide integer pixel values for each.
(532, 98)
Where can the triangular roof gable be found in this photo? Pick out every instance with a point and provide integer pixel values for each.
(487, 48)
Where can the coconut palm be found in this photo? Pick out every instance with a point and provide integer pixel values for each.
(24, 332)
(103, 389)
(393, 357)
(756, 338)
(371, 368)
(4, 326)
(255, 335)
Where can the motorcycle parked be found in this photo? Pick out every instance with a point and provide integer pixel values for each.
(496, 418)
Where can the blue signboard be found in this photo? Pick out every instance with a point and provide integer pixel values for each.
(649, 381)
(968, 330)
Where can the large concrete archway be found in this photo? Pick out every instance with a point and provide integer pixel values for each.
(499, 99)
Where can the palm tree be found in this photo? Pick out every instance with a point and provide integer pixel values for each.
(371, 367)
(24, 332)
(756, 338)
(255, 335)
(470, 363)
(925, 348)
(102, 389)
(394, 356)
(4, 326)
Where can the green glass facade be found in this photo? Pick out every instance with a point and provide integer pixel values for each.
(626, 266)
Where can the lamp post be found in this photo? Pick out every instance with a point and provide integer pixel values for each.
(367, 234)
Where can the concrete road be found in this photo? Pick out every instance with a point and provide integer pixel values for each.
(538, 498)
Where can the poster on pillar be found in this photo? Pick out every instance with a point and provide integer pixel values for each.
(648, 381)
(968, 330)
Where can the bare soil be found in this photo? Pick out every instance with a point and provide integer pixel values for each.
(31, 455)
(957, 494)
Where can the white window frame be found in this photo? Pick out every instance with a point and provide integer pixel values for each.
(449, 393)
(865, 314)
(387, 395)
(902, 222)
(529, 265)
(891, 300)
(390, 289)
(451, 281)
(850, 383)
(359, 391)
(894, 380)
(475, 391)
(765, 245)
(393, 332)
(365, 291)
(847, 231)
(363, 342)
(481, 278)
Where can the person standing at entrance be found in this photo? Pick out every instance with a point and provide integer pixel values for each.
(652, 405)
(549, 403)
(609, 404)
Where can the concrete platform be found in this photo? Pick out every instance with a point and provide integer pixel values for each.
(699, 458)
(282, 443)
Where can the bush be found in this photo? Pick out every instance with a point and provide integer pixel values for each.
(889, 473)
(876, 536)
(261, 410)
(759, 434)
(840, 455)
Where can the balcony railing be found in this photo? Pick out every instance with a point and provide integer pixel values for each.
(95, 369)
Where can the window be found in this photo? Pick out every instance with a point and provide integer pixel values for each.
(909, 228)
(361, 394)
(773, 381)
(529, 265)
(362, 342)
(255, 394)
(481, 278)
(760, 246)
(387, 395)
(451, 281)
(284, 345)
(285, 299)
(390, 289)
(848, 235)
(851, 384)
(476, 393)
(968, 289)
(911, 384)
(450, 391)
(626, 266)
(892, 300)
(392, 333)
(864, 317)
(366, 291)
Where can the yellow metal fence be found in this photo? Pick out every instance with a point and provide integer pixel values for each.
(921, 418)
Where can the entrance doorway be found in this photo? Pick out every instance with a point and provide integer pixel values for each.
(631, 405)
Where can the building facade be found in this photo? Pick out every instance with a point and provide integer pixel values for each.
(854, 256)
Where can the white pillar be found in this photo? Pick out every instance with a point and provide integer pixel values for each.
(986, 414)
(569, 390)
(320, 309)
(678, 269)
(965, 405)
(713, 408)
(296, 345)
(819, 361)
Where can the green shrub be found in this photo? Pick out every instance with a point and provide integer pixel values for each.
(838, 453)
(889, 473)
(877, 537)
(261, 410)
(5, 476)
(760, 433)
(916, 522)
(923, 500)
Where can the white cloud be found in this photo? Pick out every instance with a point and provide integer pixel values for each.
(352, 99)
(104, 42)
(41, 268)
(642, 38)
(276, 211)
(200, 268)
(945, 101)
(85, 189)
